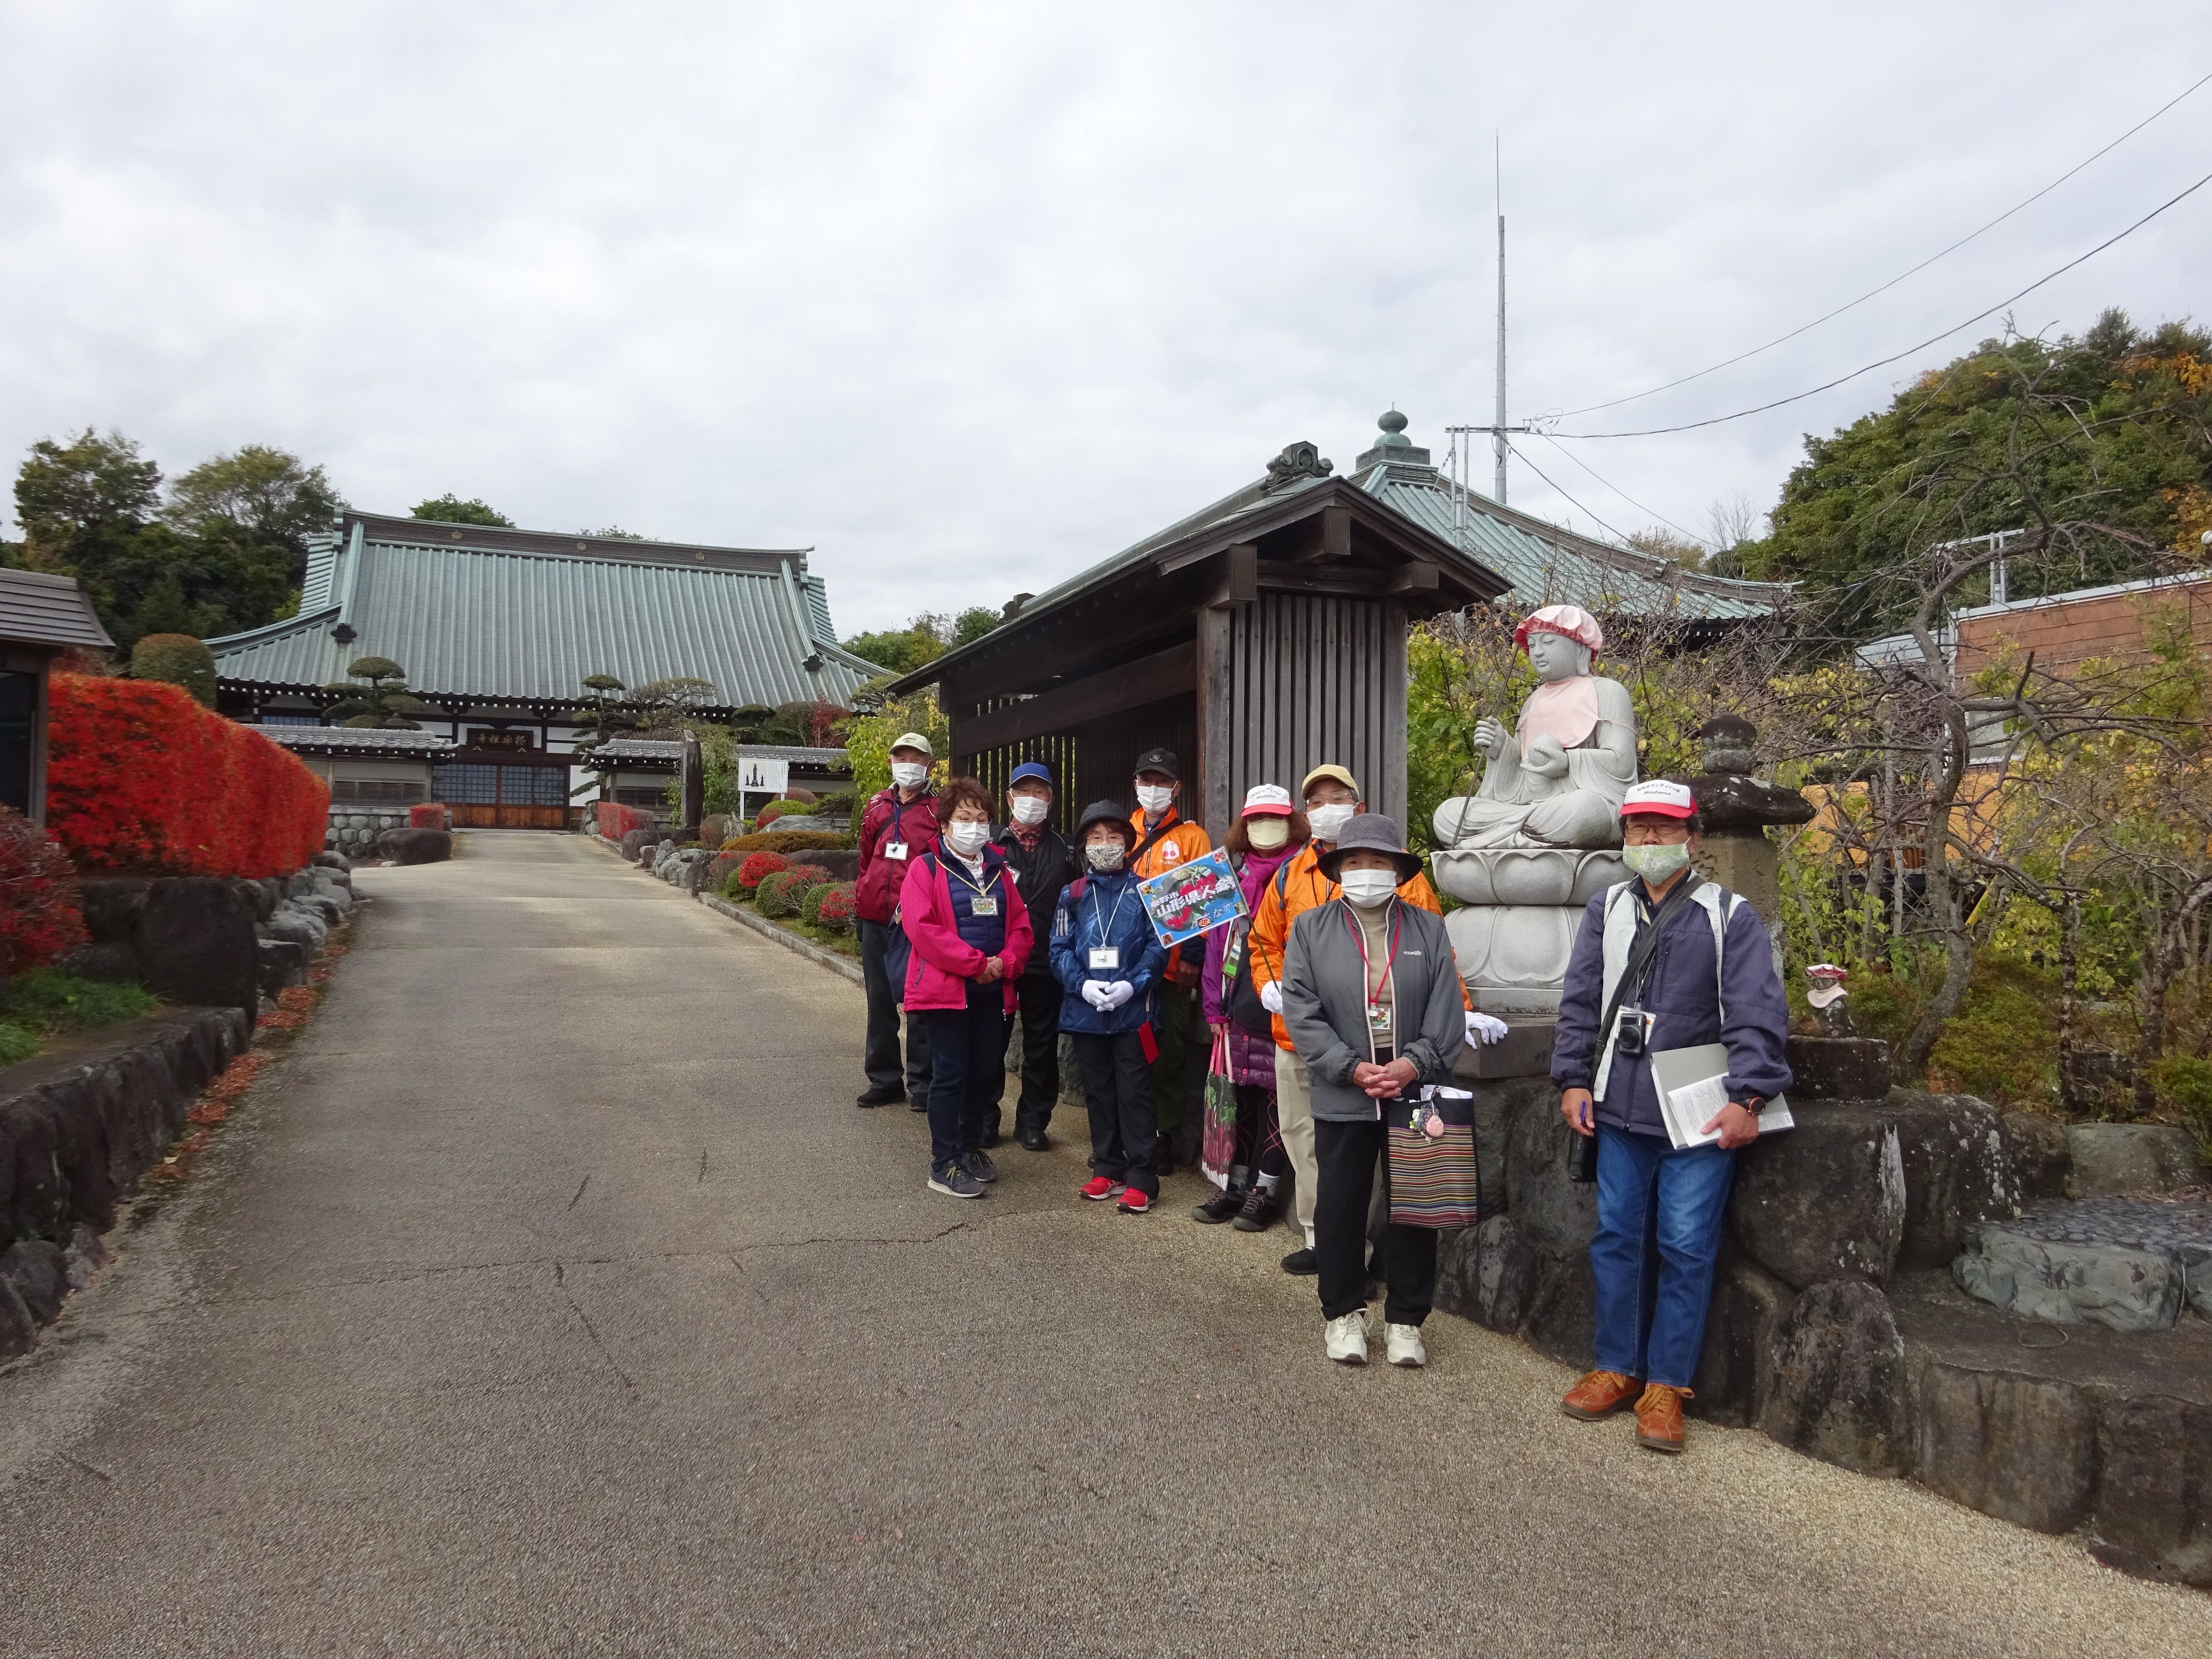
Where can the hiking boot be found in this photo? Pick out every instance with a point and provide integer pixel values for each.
(954, 1181)
(1099, 1188)
(882, 1094)
(1345, 1338)
(979, 1164)
(1301, 1262)
(1219, 1208)
(1259, 1212)
(1599, 1393)
(1659, 1417)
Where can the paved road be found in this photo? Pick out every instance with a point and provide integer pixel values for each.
(553, 1298)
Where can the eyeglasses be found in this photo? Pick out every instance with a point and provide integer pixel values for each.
(1649, 831)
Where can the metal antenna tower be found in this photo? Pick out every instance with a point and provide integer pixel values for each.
(1498, 429)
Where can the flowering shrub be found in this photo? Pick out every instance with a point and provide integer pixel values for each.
(140, 777)
(770, 813)
(810, 906)
(759, 867)
(779, 893)
(834, 909)
(39, 915)
(428, 815)
(616, 820)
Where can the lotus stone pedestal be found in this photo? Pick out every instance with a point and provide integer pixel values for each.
(1520, 908)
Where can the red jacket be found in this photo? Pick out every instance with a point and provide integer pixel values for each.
(942, 963)
(877, 893)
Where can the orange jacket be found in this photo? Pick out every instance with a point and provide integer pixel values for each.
(1182, 843)
(1297, 887)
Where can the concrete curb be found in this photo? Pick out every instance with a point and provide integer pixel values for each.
(821, 956)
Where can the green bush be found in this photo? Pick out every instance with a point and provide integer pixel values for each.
(16, 1042)
(180, 659)
(779, 893)
(52, 1000)
(809, 904)
(2003, 1044)
(2185, 1087)
(833, 911)
(785, 840)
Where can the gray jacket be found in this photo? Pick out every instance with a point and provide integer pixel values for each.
(1325, 1002)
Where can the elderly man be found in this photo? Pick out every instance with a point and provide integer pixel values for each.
(897, 827)
(1664, 960)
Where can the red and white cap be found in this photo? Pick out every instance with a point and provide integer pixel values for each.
(1267, 801)
(1660, 800)
(1576, 623)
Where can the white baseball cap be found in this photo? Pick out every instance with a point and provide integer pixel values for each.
(916, 741)
(1268, 800)
(1659, 799)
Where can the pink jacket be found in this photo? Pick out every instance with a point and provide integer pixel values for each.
(942, 963)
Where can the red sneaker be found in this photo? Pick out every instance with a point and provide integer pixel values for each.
(1133, 1202)
(1099, 1188)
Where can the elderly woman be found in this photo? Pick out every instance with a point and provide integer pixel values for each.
(1372, 998)
(969, 929)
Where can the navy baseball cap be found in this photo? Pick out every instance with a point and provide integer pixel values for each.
(1029, 770)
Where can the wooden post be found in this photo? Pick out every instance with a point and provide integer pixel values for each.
(1215, 693)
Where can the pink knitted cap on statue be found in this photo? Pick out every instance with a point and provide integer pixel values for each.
(1571, 620)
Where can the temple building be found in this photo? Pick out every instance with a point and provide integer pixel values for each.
(498, 628)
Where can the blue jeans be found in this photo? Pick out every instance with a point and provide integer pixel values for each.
(1659, 1217)
(967, 1061)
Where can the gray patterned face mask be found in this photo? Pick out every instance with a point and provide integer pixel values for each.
(1104, 856)
(1656, 862)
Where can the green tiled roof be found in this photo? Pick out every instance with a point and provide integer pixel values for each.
(480, 614)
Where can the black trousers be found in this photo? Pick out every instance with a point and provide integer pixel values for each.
(1117, 1084)
(1346, 1154)
(967, 1047)
(880, 1060)
(1040, 995)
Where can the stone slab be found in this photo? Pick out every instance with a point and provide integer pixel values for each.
(2112, 1158)
(1525, 1050)
(2067, 1284)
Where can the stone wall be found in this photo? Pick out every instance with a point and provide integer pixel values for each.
(225, 941)
(78, 1127)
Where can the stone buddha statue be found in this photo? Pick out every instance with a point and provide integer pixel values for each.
(1557, 779)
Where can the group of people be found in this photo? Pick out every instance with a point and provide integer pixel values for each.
(1334, 1010)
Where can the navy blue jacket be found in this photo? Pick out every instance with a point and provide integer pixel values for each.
(1109, 910)
(1681, 991)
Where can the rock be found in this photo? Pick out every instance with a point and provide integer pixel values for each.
(19, 1334)
(296, 927)
(2023, 1449)
(299, 884)
(2128, 1290)
(635, 841)
(1554, 1212)
(258, 895)
(416, 846)
(1839, 1068)
(1824, 1200)
(111, 907)
(714, 829)
(114, 964)
(2040, 1159)
(838, 863)
(719, 868)
(1525, 1051)
(87, 1254)
(323, 905)
(1459, 1269)
(1956, 1172)
(1840, 1387)
(332, 862)
(1503, 1283)
(274, 886)
(2154, 1508)
(39, 1273)
(283, 962)
(2196, 1267)
(197, 943)
(1736, 1373)
(2131, 1158)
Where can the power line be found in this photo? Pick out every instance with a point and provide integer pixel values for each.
(1615, 402)
(1702, 541)
(1572, 501)
(1979, 316)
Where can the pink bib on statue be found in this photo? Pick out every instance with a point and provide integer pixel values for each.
(1565, 709)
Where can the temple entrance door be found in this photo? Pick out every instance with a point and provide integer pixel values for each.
(484, 794)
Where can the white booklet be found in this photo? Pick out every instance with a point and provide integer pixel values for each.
(1692, 1085)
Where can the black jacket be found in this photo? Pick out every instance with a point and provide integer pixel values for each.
(1038, 876)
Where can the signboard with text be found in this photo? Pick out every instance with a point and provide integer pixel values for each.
(1192, 898)
(758, 775)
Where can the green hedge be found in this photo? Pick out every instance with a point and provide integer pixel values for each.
(785, 841)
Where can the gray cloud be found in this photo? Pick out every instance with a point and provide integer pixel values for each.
(967, 296)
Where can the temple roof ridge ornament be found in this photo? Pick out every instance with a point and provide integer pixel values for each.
(1301, 459)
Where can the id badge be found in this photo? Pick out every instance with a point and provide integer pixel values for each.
(1378, 1019)
(895, 849)
(1106, 956)
(984, 904)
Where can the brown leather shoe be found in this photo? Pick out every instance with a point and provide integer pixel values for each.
(1599, 1393)
(1659, 1417)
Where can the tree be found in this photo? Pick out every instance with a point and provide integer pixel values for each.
(611, 533)
(452, 509)
(602, 712)
(381, 699)
(89, 485)
(180, 659)
(263, 490)
(927, 638)
(662, 708)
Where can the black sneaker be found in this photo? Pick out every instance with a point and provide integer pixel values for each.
(1259, 1212)
(979, 1164)
(1219, 1208)
(884, 1094)
(1033, 1140)
(1301, 1262)
(954, 1181)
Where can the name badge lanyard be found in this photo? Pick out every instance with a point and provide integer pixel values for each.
(1366, 967)
(1105, 925)
(985, 904)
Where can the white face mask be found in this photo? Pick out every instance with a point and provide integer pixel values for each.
(1105, 855)
(966, 837)
(1154, 797)
(908, 775)
(1328, 821)
(1656, 863)
(1369, 887)
(1030, 809)
(1266, 833)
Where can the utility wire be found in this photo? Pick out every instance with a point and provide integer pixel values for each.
(1702, 541)
(1617, 535)
(1830, 386)
(1615, 402)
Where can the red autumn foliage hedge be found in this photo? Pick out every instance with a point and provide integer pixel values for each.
(428, 815)
(141, 777)
(616, 820)
(39, 913)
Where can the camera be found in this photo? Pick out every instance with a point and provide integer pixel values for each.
(1628, 1034)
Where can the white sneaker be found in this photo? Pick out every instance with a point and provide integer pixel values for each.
(1402, 1343)
(1346, 1337)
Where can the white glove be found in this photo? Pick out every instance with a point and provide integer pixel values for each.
(1271, 996)
(1119, 993)
(1486, 1027)
(1095, 992)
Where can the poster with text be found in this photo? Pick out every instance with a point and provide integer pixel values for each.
(1192, 898)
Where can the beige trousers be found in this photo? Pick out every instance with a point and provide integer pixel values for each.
(1294, 1113)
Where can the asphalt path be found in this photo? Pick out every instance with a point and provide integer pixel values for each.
(552, 1297)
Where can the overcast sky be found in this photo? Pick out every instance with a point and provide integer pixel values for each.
(966, 297)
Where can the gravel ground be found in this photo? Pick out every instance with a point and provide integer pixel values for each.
(553, 1298)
